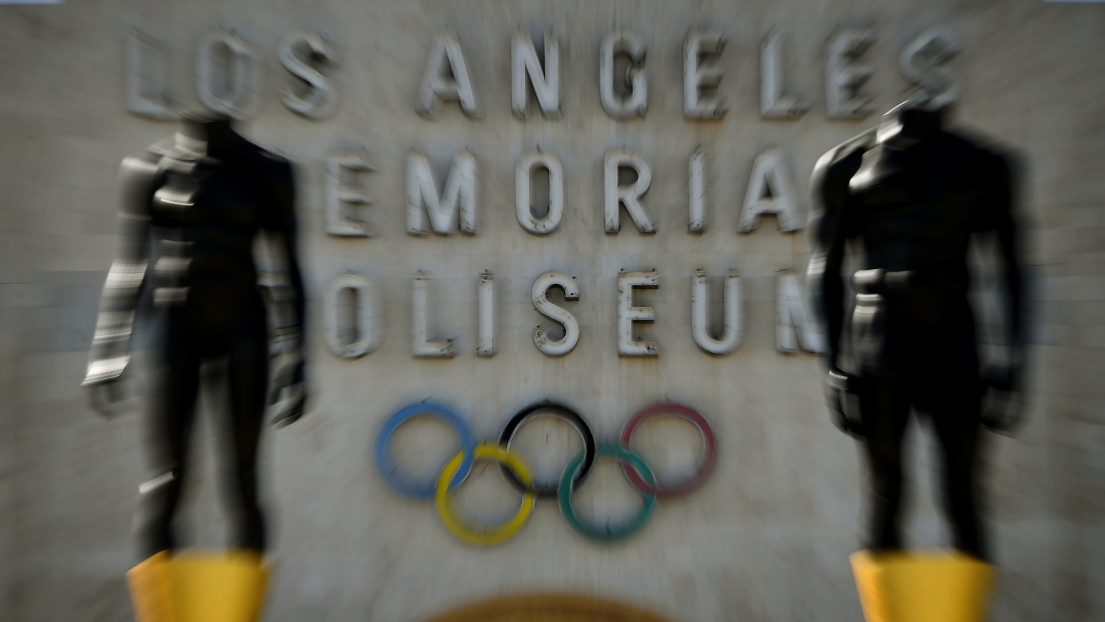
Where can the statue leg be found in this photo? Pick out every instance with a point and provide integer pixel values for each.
(167, 428)
(248, 381)
(884, 406)
(956, 422)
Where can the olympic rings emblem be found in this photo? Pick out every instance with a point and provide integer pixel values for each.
(515, 470)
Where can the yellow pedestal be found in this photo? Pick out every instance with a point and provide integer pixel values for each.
(197, 587)
(923, 587)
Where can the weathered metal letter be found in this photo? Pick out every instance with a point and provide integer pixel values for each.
(316, 98)
(731, 337)
(147, 90)
(696, 76)
(696, 184)
(366, 329)
(546, 82)
(486, 336)
(421, 345)
(770, 192)
(923, 62)
(636, 100)
(844, 77)
(794, 327)
(232, 90)
(341, 191)
(460, 191)
(557, 314)
(774, 104)
(523, 197)
(630, 195)
(446, 55)
(627, 313)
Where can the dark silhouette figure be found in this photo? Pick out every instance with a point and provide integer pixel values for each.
(192, 207)
(914, 195)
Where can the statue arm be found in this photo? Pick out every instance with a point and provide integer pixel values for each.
(827, 244)
(1002, 378)
(1009, 257)
(111, 342)
(286, 240)
(284, 232)
(828, 233)
(999, 218)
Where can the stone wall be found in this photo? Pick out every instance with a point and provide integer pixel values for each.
(768, 537)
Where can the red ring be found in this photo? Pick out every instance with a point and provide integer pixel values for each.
(691, 483)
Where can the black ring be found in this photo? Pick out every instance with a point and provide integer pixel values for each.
(561, 412)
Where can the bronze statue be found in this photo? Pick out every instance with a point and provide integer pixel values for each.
(192, 207)
(914, 195)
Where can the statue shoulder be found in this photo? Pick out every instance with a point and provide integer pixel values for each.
(145, 165)
(274, 175)
(841, 162)
(139, 175)
(162, 148)
(269, 165)
(986, 156)
(844, 158)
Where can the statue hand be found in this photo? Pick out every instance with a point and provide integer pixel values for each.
(842, 394)
(1002, 410)
(102, 385)
(289, 392)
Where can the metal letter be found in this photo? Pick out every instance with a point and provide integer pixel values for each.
(341, 192)
(546, 82)
(627, 313)
(486, 335)
(421, 345)
(231, 91)
(460, 190)
(700, 298)
(366, 312)
(773, 103)
(768, 173)
(697, 190)
(695, 76)
(636, 102)
(793, 324)
(319, 99)
(557, 314)
(446, 54)
(922, 62)
(147, 90)
(523, 203)
(843, 77)
(626, 195)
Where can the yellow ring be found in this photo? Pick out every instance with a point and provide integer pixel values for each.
(448, 512)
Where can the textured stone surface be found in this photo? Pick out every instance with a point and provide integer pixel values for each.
(768, 537)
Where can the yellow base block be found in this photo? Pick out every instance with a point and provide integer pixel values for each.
(923, 587)
(197, 587)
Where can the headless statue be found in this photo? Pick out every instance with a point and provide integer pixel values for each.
(192, 207)
(914, 195)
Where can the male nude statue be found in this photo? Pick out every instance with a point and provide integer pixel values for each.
(912, 196)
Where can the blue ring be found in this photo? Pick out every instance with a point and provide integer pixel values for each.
(388, 468)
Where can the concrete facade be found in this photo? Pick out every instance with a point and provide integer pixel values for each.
(768, 537)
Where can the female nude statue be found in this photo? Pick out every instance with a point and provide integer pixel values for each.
(192, 207)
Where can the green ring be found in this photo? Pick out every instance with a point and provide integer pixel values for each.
(606, 533)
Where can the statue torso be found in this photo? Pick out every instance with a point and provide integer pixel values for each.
(914, 211)
(205, 214)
